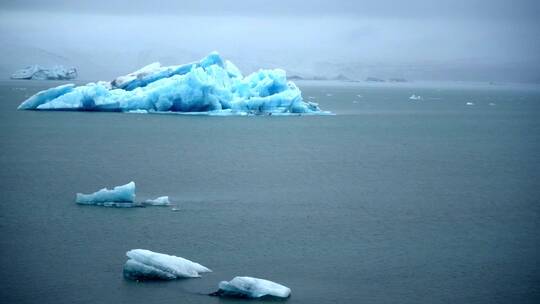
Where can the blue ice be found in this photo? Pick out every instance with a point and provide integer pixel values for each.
(119, 196)
(211, 86)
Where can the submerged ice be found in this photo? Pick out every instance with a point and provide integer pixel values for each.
(210, 86)
(252, 288)
(145, 264)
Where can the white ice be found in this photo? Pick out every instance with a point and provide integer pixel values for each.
(469, 103)
(138, 111)
(120, 196)
(252, 288)
(415, 97)
(145, 264)
(160, 201)
(212, 85)
(37, 72)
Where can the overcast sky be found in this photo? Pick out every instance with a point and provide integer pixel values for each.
(489, 40)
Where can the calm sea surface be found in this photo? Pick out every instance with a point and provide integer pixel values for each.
(389, 201)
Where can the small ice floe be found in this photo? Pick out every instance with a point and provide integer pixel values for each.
(359, 96)
(415, 97)
(311, 97)
(491, 104)
(145, 264)
(355, 101)
(175, 209)
(119, 196)
(469, 103)
(19, 89)
(329, 94)
(160, 201)
(248, 287)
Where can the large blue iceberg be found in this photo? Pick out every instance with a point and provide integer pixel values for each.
(211, 86)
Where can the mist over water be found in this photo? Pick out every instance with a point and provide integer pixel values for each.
(418, 40)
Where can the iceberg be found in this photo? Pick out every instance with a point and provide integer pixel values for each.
(211, 86)
(120, 196)
(145, 264)
(248, 287)
(160, 201)
(37, 72)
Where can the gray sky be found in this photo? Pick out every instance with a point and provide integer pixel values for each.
(489, 40)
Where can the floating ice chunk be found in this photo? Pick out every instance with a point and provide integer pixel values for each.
(211, 86)
(160, 201)
(251, 288)
(359, 96)
(469, 103)
(329, 94)
(145, 264)
(120, 196)
(492, 104)
(415, 97)
(40, 73)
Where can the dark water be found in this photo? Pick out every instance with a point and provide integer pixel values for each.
(390, 201)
